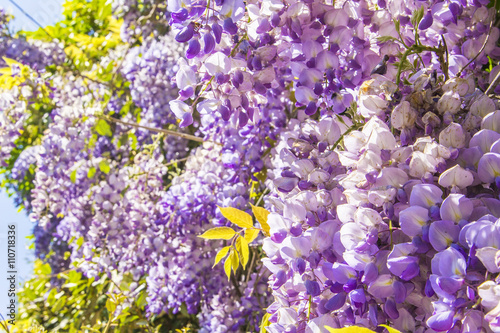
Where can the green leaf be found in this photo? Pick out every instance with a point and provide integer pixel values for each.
(79, 241)
(221, 254)
(396, 25)
(218, 233)
(72, 177)
(91, 172)
(390, 329)
(417, 17)
(238, 217)
(45, 269)
(350, 329)
(133, 137)
(111, 306)
(251, 234)
(243, 250)
(227, 267)
(103, 128)
(104, 166)
(383, 39)
(261, 215)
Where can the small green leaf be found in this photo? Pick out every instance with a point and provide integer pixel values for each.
(218, 233)
(390, 329)
(417, 16)
(133, 137)
(79, 241)
(91, 172)
(350, 329)
(243, 250)
(45, 269)
(251, 234)
(396, 25)
(227, 266)
(236, 216)
(72, 177)
(221, 254)
(383, 39)
(261, 215)
(103, 128)
(104, 166)
(111, 306)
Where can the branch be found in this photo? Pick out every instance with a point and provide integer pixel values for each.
(152, 129)
(176, 161)
(480, 51)
(493, 84)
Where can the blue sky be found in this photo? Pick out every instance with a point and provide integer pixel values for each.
(46, 12)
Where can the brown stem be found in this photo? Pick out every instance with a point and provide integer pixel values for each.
(480, 50)
(152, 129)
(493, 84)
(235, 284)
(176, 161)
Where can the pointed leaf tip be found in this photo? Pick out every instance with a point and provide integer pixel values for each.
(261, 215)
(236, 216)
(218, 233)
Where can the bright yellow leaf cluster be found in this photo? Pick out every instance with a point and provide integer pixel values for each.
(7, 78)
(238, 251)
(358, 329)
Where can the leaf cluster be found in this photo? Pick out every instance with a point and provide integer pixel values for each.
(238, 251)
(83, 304)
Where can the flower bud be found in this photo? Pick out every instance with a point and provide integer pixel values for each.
(403, 116)
(456, 177)
(452, 136)
(450, 102)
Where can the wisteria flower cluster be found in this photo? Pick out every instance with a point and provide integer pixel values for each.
(368, 130)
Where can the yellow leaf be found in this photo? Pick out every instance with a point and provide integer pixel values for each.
(350, 329)
(265, 322)
(221, 254)
(238, 217)
(218, 233)
(6, 71)
(390, 329)
(235, 261)
(11, 62)
(243, 250)
(227, 267)
(261, 215)
(251, 234)
(73, 50)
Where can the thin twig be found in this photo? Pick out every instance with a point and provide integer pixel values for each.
(153, 9)
(152, 129)
(480, 51)
(235, 285)
(177, 161)
(493, 84)
(250, 268)
(444, 65)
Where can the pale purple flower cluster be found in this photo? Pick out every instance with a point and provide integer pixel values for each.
(183, 273)
(150, 68)
(381, 230)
